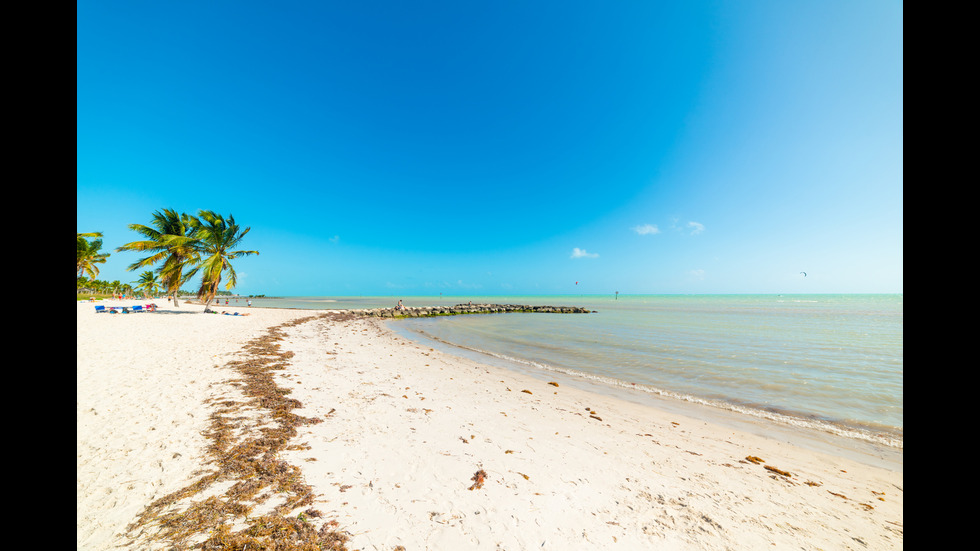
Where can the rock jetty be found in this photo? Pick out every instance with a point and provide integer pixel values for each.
(460, 309)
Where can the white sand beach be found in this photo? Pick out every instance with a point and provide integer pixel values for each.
(405, 429)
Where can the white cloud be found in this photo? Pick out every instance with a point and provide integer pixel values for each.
(646, 229)
(582, 253)
(335, 239)
(696, 274)
(696, 227)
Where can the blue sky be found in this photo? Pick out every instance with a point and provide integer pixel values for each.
(418, 148)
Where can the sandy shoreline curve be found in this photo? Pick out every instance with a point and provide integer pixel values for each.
(406, 431)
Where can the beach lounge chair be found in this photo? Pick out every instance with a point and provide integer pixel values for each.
(137, 309)
(100, 309)
(150, 308)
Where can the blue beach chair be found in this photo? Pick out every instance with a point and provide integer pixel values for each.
(100, 309)
(137, 309)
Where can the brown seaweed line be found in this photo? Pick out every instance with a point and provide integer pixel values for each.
(254, 466)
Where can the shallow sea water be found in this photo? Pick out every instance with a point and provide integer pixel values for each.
(828, 362)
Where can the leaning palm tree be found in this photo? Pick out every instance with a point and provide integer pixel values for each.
(87, 255)
(169, 238)
(216, 236)
(148, 283)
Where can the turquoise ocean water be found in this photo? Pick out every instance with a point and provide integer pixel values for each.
(828, 362)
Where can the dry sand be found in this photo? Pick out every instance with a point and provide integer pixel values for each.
(406, 428)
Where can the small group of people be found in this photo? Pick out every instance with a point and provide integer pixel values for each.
(400, 305)
(127, 309)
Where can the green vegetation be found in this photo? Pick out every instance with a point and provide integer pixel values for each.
(181, 244)
(87, 254)
(169, 239)
(86, 287)
(215, 237)
(148, 283)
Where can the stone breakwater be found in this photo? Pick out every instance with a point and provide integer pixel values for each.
(459, 309)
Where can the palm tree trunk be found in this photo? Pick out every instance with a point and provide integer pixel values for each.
(212, 292)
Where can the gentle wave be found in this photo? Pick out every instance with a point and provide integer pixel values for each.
(881, 437)
(829, 362)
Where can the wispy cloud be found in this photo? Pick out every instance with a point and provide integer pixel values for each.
(697, 274)
(646, 229)
(335, 239)
(696, 227)
(582, 253)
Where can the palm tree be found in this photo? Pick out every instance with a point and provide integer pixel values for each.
(216, 237)
(169, 239)
(148, 283)
(87, 255)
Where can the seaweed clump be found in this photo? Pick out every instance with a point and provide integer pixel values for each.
(247, 457)
(478, 479)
